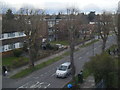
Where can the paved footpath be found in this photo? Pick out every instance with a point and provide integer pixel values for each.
(89, 82)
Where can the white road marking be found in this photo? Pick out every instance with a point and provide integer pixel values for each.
(35, 84)
(39, 85)
(47, 86)
(25, 85)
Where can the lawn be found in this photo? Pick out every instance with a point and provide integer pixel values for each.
(88, 44)
(60, 42)
(13, 62)
(8, 61)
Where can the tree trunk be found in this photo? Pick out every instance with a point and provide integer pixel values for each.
(31, 58)
(103, 46)
(72, 59)
(72, 56)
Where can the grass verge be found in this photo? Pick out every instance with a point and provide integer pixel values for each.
(89, 43)
(27, 71)
(14, 62)
(60, 42)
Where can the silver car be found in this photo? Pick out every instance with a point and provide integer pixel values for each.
(63, 70)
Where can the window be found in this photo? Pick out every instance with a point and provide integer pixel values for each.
(11, 34)
(21, 33)
(69, 66)
(11, 46)
(63, 68)
(20, 45)
(2, 48)
(2, 35)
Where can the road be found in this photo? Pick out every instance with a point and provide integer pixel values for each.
(45, 78)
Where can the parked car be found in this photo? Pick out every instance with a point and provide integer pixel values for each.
(63, 70)
(61, 46)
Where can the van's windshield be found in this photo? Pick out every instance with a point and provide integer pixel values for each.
(63, 68)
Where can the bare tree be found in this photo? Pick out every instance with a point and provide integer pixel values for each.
(104, 27)
(31, 22)
(115, 29)
(72, 27)
(69, 27)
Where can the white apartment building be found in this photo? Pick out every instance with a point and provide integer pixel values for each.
(11, 36)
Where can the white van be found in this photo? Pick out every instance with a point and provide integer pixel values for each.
(63, 70)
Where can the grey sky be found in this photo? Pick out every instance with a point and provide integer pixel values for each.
(83, 5)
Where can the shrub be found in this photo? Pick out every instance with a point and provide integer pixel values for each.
(24, 48)
(55, 47)
(17, 52)
(52, 47)
(103, 67)
(48, 46)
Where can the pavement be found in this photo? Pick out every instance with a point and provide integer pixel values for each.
(45, 77)
(89, 82)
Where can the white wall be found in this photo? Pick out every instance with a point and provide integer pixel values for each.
(17, 34)
(6, 47)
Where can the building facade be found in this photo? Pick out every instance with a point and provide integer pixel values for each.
(11, 40)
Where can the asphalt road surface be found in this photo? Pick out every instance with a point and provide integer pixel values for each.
(45, 78)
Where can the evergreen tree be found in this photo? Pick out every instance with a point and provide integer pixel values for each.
(9, 14)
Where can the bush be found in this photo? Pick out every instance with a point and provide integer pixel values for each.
(103, 67)
(55, 47)
(52, 47)
(24, 48)
(48, 45)
(17, 52)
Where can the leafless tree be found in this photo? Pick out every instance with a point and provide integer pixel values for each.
(72, 27)
(31, 22)
(104, 27)
(115, 29)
